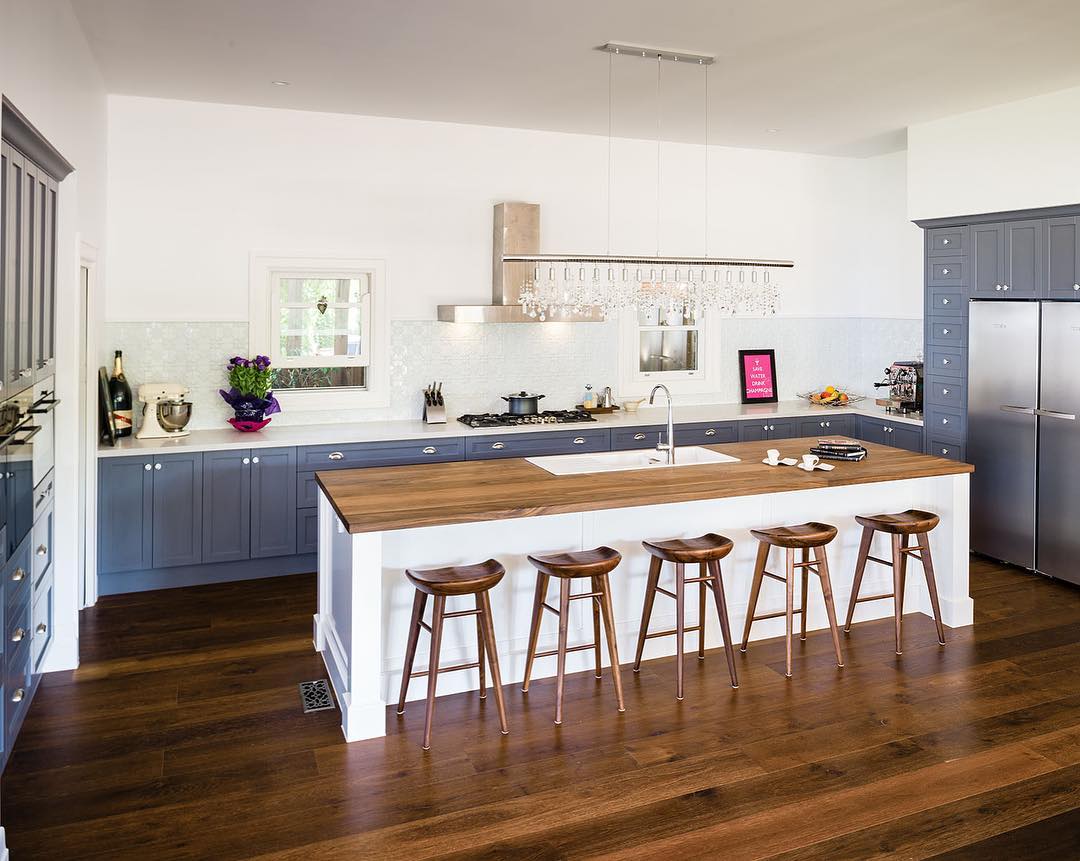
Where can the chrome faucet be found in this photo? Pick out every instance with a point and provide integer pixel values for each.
(669, 446)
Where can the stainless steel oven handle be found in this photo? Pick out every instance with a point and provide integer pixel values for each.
(34, 429)
(1024, 411)
(1054, 414)
(45, 405)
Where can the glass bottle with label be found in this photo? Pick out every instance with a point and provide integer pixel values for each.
(120, 398)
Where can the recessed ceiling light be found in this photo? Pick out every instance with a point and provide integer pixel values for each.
(771, 131)
(280, 83)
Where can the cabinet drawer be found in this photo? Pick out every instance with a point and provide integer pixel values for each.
(892, 433)
(826, 426)
(946, 241)
(944, 301)
(706, 433)
(18, 689)
(41, 631)
(645, 436)
(947, 331)
(946, 272)
(397, 453)
(536, 444)
(42, 545)
(17, 626)
(307, 530)
(945, 448)
(946, 392)
(18, 575)
(945, 423)
(946, 361)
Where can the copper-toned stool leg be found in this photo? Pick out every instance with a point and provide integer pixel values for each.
(613, 646)
(595, 602)
(680, 626)
(931, 586)
(755, 590)
(488, 629)
(433, 664)
(564, 618)
(480, 648)
(898, 590)
(534, 629)
(646, 613)
(703, 571)
(860, 569)
(789, 574)
(419, 601)
(725, 625)
(826, 589)
(805, 582)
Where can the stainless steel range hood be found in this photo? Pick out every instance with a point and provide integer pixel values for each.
(516, 233)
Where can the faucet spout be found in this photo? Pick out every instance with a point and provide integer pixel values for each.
(668, 446)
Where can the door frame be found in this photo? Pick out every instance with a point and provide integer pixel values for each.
(88, 421)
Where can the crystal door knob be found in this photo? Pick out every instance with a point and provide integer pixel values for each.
(42, 550)
(1076, 286)
(1004, 286)
(17, 635)
(945, 391)
(247, 460)
(946, 362)
(997, 286)
(157, 466)
(147, 467)
(944, 331)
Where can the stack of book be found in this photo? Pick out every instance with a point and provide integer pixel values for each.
(839, 449)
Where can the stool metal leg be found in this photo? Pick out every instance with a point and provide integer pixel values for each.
(703, 571)
(564, 618)
(826, 589)
(433, 664)
(860, 569)
(480, 648)
(898, 590)
(596, 626)
(725, 626)
(755, 590)
(646, 613)
(488, 629)
(804, 574)
(789, 573)
(534, 629)
(419, 602)
(931, 586)
(680, 626)
(613, 646)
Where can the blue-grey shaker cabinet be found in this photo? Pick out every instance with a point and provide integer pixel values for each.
(767, 429)
(273, 502)
(1063, 258)
(125, 514)
(987, 261)
(226, 509)
(1025, 259)
(177, 509)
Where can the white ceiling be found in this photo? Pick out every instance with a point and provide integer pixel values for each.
(842, 77)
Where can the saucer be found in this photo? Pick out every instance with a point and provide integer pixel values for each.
(825, 466)
(784, 461)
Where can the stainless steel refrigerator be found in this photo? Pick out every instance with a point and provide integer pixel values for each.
(1023, 434)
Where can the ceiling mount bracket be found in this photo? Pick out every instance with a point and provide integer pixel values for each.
(658, 54)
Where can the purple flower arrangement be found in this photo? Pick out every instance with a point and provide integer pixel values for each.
(249, 394)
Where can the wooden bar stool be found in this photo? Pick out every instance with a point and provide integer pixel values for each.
(900, 527)
(474, 580)
(706, 551)
(574, 565)
(807, 537)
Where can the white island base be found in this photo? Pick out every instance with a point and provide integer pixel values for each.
(364, 601)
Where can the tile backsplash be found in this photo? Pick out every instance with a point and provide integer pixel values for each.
(479, 362)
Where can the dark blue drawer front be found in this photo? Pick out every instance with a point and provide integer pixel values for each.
(946, 448)
(947, 331)
(946, 392)
(946, 361)
(946, 272)
(536, 444)
(644, 436)
(945, 302)
(706, 433)
(18, 689)
(945, 423)
(946, 241)
(397, 453)
(18, 576)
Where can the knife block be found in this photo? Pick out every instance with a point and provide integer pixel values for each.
(435, 415)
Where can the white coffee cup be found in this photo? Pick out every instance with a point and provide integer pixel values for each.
(774, 456)
(809, 461)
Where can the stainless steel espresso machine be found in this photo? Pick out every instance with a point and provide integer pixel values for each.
(904, 381)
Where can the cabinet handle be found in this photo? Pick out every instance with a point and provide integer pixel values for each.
(639, 436)
(945, 300)
(944, 270)
(157, 466)
(946, 361)
(17, 575)
(1076, 286)
(944, 241)
(944, 451)
(944, 391)
(997, 287)
(147, 467)
(944, 331)
(254, 460)
(17, 635)
(42, 628)
(17, 697)
(710, 432)
(828, 424)
(26, 372)
(247, 460)
(579, 440)
(1005, 287)
(944, 421)
(498, 445)
(772, 427)
(335, 455)
(764, 427)
(42, 550)
(430, 450)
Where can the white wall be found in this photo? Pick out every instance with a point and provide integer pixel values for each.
(48, 72)
(194, 187)
(1019, 155)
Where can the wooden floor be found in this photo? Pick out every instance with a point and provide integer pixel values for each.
(181, 736)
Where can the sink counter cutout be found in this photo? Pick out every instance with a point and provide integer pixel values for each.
(620, 461)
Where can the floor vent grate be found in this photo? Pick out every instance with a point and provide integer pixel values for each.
(316, 696)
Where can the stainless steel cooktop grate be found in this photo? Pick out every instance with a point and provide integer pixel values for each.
(315, 696)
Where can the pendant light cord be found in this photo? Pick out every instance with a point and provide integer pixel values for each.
(706, 162)
(659, 62)
(610, 165)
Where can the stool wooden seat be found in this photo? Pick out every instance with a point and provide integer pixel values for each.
(567, 567)
(442, 583)
(805, 537)
(706, 551)
(899, 527)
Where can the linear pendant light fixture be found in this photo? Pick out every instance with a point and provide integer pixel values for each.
(578, 286)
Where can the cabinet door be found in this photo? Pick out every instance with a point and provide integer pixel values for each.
(226, 506)
(1025, 271)
(177, 516)
(870, 430)
(44, 314)
(783, 428)
(8, 242)
(1063, 260)
(273, 502)
(825, 426)
(753, 430)
(987, 260)
(125, 514)
(907, 437)
(21, 374)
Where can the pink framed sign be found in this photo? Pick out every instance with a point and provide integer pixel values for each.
(757, 370)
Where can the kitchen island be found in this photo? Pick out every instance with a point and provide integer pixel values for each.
(374, 523)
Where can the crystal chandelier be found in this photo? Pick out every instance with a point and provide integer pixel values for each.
(572, 286)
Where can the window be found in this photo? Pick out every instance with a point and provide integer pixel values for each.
(322, 322)
(673, 349)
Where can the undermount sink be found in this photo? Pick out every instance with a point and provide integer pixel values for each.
(617, 461)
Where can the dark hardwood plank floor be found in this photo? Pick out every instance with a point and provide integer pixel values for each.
(181, 737)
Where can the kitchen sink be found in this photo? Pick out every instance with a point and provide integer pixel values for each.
(617, 461)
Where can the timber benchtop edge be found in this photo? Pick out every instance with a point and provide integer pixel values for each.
(437, 494)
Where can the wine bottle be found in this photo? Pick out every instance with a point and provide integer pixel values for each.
(120, 398)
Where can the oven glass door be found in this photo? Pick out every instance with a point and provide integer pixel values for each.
(41, 412)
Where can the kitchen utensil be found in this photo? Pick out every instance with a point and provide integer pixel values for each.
(606, 400)
(173, 415)
(438, 395)
(523, 403)
(631, 406)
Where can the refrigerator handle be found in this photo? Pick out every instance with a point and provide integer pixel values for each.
(1027, 411)
(1054, 414)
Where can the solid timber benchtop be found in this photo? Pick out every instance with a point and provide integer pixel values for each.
(406, 497)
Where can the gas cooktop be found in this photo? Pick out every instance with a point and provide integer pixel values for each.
(506, 420)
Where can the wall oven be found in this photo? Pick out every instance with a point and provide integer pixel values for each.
(17, 445)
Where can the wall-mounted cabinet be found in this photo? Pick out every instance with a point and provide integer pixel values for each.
(1063, 258)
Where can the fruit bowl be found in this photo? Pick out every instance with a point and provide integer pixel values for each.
(832, 396)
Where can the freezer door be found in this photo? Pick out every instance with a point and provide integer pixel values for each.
(1059, 443)
(1003, 384)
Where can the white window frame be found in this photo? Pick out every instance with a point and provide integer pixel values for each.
(263, 326)
(634, 382)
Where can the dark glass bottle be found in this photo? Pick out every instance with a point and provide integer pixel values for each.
(120, 398)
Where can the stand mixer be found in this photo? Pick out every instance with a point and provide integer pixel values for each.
(165, 412)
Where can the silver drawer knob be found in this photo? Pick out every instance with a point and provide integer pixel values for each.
(945, 301)
(944, 241)
(1004, 286)
(821, 424)
(157, 466)
(944, 451)
(42, 628)
(946, 361)
(639, 436)
(42, 550)
(17, 575)
(17, 635)
(1076, 286)
(710, 432)
(247, 460)
(828, 424)
(944, 331)
(772, 427)
(17, 697)
(945, 391)
(997, 286)
(944, 270)
(335, 455)
(498, 445)
(579, 440)
(254, 460)
(147, 467)
(944, 421)
(430, 450)
(764, 427)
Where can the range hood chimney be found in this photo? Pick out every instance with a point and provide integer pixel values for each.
(516, 232)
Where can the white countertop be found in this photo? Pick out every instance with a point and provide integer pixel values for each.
(346, 432)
